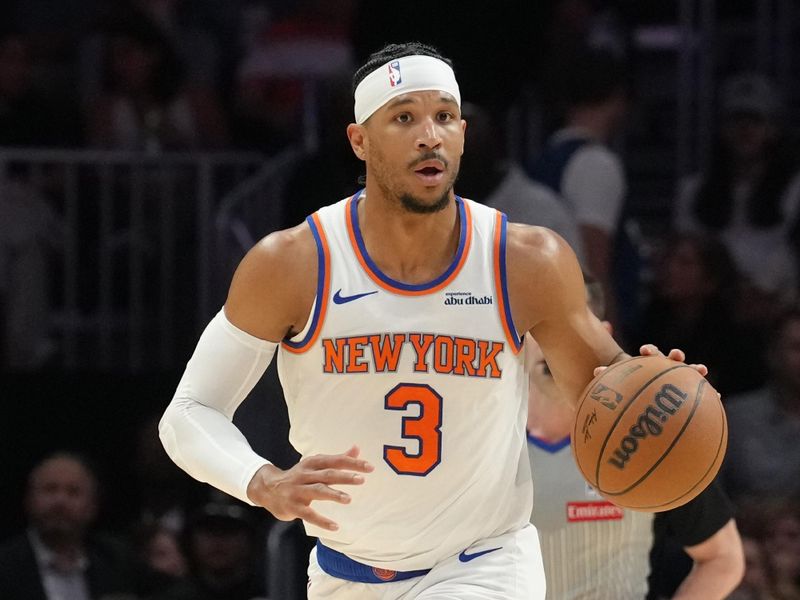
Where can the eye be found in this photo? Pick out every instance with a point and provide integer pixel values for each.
(403, 118)
(445, 116)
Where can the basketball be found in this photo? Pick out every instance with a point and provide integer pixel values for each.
(650, 433)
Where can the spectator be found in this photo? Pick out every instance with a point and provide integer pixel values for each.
(749, 193)
(763, 455)
(145, 103)
(196, 48)
(59, 557)
(488, 176)
(221, 551)
(159, 550)
(28, 115)
(691, 306)
(578, 163)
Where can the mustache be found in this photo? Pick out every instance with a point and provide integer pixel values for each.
(428, 156)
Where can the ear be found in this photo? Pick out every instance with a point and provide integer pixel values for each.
(358, 140)
(463, 134)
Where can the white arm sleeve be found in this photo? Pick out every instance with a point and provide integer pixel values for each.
(197, 428)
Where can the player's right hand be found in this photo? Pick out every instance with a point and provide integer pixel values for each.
(288, 494)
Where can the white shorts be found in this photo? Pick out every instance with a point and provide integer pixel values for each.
(506, 567)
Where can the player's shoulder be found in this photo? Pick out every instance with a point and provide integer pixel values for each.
(273, 287)
(537, 259)
(280, 254)
(534, 246)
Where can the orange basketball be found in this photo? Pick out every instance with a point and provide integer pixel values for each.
(650, 433)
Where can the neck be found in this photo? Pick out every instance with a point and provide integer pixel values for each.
(66, 548)
(406, 246)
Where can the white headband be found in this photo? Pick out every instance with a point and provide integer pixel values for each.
(407, 74)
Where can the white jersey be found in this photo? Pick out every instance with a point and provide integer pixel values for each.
(428, 380)
(592, 549)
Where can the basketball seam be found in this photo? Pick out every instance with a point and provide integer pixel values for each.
(622, 414)
(722, 437)
(688, 420)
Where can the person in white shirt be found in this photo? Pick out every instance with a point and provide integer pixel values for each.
(578, 162)
(749, 193)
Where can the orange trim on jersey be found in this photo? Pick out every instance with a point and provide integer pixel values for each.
(376, 276)
(500, 285)
(323, 291)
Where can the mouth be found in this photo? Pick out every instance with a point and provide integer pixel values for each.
(431, 172)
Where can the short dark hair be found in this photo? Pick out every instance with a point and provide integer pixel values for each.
(592, 76)
(393, 52)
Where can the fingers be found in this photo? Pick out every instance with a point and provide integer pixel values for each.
(338, 461)
(652, 350)
(649, 350)
(309, 515)
(331, 477)
(700, 368)
(677, 355)
(320, 491)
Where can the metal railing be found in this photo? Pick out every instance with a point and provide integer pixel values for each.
(133, 271)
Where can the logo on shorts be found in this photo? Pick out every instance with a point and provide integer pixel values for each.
(464, 557)
(395, 77)
(384, 574)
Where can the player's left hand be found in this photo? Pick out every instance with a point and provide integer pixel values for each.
(674, 354)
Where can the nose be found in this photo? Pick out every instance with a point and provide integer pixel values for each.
(429, 136)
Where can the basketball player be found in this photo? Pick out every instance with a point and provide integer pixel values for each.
(593, 549)
(397, 316)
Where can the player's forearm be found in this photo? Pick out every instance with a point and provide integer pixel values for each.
(209, 447)
(197, 429)
(714, 579)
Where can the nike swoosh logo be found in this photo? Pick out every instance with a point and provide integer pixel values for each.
(339, 299)
(464, 557)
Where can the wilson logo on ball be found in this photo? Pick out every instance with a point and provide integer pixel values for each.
(665, 403)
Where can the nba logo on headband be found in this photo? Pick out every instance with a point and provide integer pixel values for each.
(413, 73)
(394, 73)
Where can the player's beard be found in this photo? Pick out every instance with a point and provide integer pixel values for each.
(414, 205)
(409, 201)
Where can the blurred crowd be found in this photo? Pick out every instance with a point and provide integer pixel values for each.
(718, 277)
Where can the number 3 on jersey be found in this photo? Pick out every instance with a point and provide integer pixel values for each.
(426, 428)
